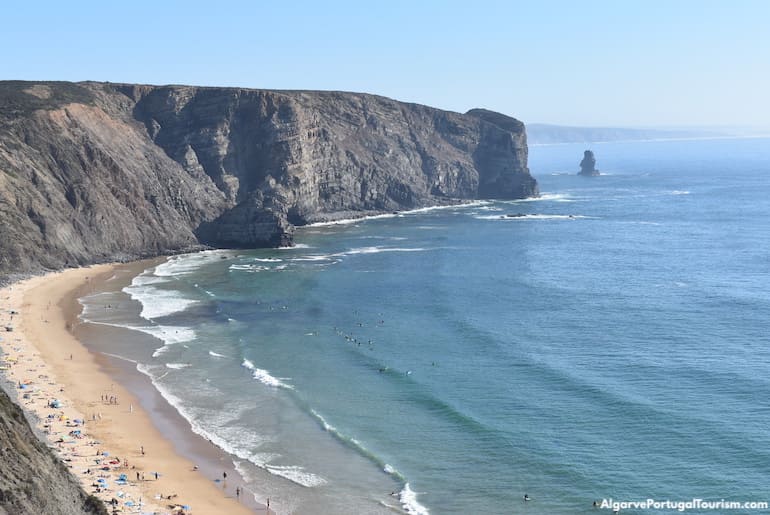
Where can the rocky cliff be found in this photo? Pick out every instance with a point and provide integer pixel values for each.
(94, 172)
(32, 479)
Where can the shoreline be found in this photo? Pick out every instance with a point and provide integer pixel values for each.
(108, 420)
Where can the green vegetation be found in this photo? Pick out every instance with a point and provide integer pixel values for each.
(19, 98)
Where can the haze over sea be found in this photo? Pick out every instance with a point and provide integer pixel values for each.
(612, 341)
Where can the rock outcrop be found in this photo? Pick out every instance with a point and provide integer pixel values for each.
(588, 165)
(32, 479)
(94, 172)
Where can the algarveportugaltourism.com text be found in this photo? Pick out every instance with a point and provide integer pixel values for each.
(694, 504)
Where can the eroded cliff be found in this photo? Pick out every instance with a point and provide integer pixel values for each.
(94, 172)
(32, 479)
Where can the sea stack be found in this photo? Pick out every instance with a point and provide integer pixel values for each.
(588, 165)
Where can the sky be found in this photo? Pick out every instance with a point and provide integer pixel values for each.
(622, 63)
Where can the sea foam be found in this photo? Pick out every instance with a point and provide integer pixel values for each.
(409, 501)
(264, 377)
(178, 366)
(530, 217)
(214, 431)
(157, 303)
(296, 474)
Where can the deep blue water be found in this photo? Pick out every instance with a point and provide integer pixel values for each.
(613, 342)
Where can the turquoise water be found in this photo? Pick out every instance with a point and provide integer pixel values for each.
(612, 342)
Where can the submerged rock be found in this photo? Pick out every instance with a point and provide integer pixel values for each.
(588, 165)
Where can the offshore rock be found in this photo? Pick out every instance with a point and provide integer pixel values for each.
(93, 172)
(588, 165)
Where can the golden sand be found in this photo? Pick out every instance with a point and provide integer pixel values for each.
(115, 435)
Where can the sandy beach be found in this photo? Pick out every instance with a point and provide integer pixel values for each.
(97, 427)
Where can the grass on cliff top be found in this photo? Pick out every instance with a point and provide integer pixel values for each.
(20, 98)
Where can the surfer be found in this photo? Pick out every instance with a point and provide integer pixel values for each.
(527, 497)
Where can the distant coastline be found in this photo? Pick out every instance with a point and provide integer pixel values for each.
(546, 134)
(650, 140)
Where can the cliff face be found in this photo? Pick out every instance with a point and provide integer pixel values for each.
(94, 172)
(80, 182)
(32, 479)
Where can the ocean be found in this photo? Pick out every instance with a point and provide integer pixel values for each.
(609, 339)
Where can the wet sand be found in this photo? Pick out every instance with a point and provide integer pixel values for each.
(115, 434)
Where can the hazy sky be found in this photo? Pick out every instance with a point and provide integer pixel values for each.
(621, 63)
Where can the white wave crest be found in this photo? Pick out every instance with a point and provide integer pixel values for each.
(296, 474)
(156, 302)
(463, 205)
(168, 334)
(188, 414)
(530, 217)
(349, 221)
(216, 354)
(377, 250)
(146, 278)
(544, 197)
(178, 366)
(249, 268)
(188, 263)
(316, 257)
(264, 377)
(408, 500)
(327, 426)
(160, 351)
